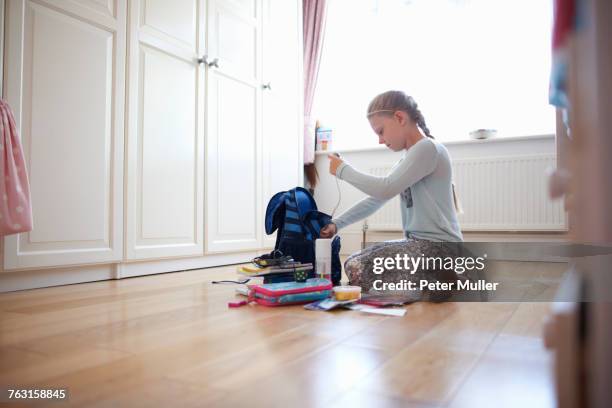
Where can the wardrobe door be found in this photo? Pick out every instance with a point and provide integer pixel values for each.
(282, 87)
(233, 148)
(165, 148)
(65, 75)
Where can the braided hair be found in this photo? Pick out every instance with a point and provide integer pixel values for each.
(388, 102)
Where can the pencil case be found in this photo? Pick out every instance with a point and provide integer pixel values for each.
(288, 293)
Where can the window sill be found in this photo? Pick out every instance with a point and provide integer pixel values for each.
(508, 139)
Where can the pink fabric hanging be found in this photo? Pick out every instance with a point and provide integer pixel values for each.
(15, 206)
(313, 29)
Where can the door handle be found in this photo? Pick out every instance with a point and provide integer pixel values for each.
(214, 63)
(204, 60)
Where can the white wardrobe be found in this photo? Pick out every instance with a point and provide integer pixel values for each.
(155, 132)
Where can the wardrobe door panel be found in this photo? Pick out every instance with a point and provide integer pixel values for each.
(233, 169)
(282, 99)
(65, 71)
(165, 136)
(167, 210)
(174, 21)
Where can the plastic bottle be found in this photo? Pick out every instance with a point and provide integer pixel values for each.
(323, 258)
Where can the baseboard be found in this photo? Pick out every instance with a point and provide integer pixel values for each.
(515, 236)
(21, 280)
(126, 270)
(31, 279)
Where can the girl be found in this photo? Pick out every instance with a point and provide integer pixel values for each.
(423, 178)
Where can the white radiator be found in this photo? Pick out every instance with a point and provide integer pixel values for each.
(496, 194)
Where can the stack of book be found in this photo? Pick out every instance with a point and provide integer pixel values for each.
(283, 272)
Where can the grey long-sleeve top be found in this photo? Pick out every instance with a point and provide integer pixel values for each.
(423, 177)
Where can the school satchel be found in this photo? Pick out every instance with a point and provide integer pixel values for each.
(298, 222)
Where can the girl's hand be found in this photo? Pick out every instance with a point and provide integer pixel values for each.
(334, 163)
(328, 231)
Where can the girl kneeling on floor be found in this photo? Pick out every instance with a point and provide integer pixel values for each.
(422, 177)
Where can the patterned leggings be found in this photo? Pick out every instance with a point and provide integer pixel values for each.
(359, 267)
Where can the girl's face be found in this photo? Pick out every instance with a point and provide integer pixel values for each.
(391, 130)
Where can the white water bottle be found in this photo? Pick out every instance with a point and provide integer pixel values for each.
(323, 258)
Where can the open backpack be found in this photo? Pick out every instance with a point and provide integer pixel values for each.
(294, 215)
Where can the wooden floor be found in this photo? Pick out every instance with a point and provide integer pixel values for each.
(171, 340)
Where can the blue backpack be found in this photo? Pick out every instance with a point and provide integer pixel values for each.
(294, 214)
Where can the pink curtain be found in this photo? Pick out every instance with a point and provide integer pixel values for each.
(314, 27)
(15, 207)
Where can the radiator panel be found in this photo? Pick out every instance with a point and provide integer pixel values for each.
(496, 194)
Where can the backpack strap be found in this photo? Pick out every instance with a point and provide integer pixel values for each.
(304, 201)
(306, 205)
(293, 228)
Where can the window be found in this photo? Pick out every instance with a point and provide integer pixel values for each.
(469, 64)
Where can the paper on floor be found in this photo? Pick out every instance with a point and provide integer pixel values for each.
(375, 310)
